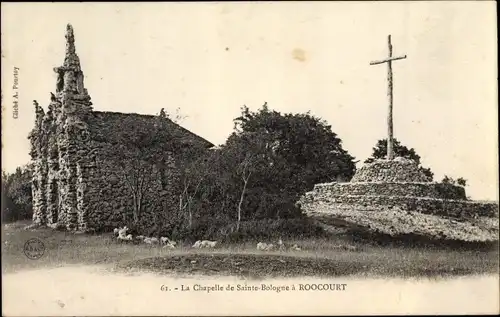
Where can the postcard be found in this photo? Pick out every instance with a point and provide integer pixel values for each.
(249, 158)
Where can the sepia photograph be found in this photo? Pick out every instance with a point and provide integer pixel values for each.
(249, 158)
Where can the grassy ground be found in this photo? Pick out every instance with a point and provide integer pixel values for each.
(318, 257)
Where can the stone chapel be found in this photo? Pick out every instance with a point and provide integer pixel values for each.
(77, 181)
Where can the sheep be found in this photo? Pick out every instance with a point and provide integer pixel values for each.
(345, 247)
(281, 245)
(167, 243)
(169, 246)
(295, 248)
(350, 248)
(205, 244)
(125, 237)
(265, 246)
(172, 242)
(147, 240)
(154, 240)
(122, 232)
(208, 244)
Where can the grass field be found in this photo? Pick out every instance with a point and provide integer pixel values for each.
(318, 257)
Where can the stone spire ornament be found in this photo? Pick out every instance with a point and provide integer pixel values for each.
(71, 60)
(70, 88)
(38, 111)
(71, 63)
(162, 113)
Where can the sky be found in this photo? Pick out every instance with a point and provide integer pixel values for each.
(208, 59)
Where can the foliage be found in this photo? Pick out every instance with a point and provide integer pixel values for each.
(301, 140)
(266, 164)
(17, 195)
(143, 151)
(380, 151)
(459, 181)
(271, 229)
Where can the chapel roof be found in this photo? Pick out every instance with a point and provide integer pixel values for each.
(110, 125)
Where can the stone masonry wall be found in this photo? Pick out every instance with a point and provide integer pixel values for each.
(425, 205)
(38, 142)
(430, 190)
(59, 144)
(441, 207)
(397, 170)
(110, 194)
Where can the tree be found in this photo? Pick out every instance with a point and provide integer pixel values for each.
(270, 160)
(301, 140)
(380, 152)
(459, 181)
(193, 164)
(245, 173)
(16, 194)
(462, 181)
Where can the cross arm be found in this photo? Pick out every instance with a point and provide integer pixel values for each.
(387, 60)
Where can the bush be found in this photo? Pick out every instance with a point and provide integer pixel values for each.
(16, 195)
(265, 165)
(224, 230)
(268, 229)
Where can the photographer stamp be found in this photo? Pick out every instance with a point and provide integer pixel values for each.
(15, 95)
(34, 249)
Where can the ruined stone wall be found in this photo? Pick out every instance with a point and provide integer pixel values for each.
(425, 205)
(430, 190)
(397, 170)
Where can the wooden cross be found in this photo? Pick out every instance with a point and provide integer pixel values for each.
(390, 151)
